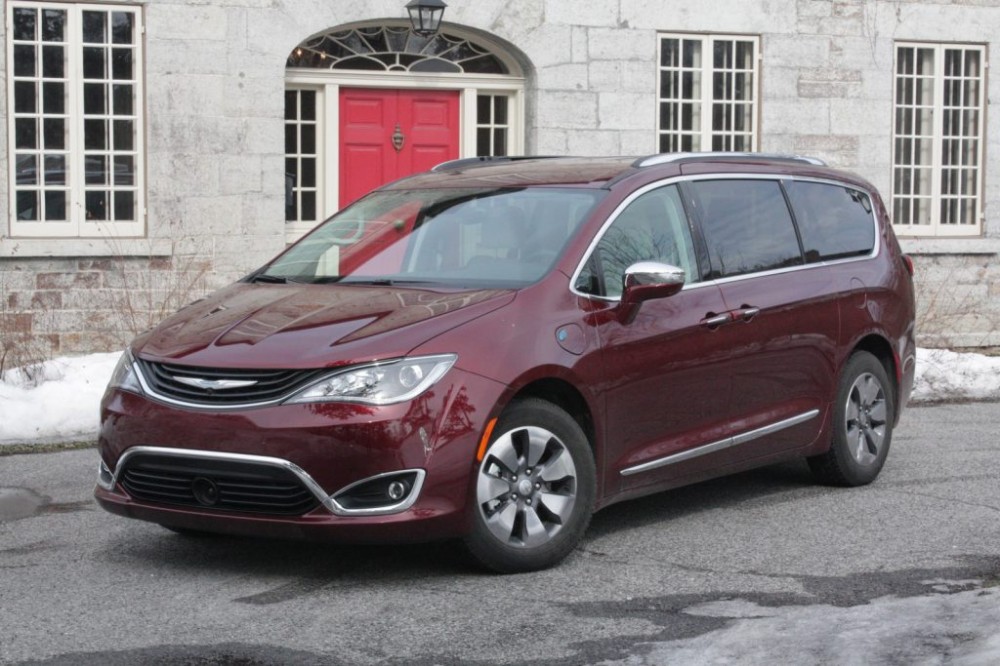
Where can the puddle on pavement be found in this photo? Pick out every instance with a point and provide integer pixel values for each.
(17, 503)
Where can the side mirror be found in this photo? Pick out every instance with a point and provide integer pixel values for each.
(648, 280)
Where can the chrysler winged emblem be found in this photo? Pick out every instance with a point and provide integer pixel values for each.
(215, 384)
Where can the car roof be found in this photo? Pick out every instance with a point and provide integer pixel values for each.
(605, 172)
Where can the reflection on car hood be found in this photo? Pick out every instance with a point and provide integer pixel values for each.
(306, 326)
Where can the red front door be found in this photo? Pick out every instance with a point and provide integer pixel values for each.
(428, 134)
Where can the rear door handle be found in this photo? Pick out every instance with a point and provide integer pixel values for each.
(746, 314)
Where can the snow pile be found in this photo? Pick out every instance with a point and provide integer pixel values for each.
(59, 401)
(948, 375)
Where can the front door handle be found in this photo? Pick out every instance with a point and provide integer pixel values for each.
(714, 321)
(746, 313)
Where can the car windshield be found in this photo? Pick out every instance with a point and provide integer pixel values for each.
(470, 237)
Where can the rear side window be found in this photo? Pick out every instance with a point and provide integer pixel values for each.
(747, 226)
(836, 222)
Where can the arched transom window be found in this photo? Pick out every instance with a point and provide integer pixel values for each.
(395, 49)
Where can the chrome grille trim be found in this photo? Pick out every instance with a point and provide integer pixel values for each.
(164, 381)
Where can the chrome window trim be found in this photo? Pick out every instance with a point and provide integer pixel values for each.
(876, 248)
(721, 444)
(326, 500)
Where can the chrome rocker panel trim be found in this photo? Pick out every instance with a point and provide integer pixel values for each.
(721, 444)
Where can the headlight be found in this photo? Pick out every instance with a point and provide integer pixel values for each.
(124, 377)
(382, 383)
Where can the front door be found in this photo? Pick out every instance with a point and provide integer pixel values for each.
(388, 134)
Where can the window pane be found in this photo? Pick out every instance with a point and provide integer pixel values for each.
(121, 64)
(97, 205)
(54, 98)
(291, 105)
(747, 226)
(309, 206)
(94, 63)
(24, 60)
(26, 169)
(55, 170)
(500, 103)
(124, 135)
(122, 94)
(27, 205)
(483, 110)
(55, 205)
(93, 99)
(95, 134)
(124, 170)
(95, 28)
(53, 62)
(25, 22)
(483, 141)
(26, 133)
(55, 134)
(97, 170)
(54, 25)
(291, 139)
(500, 141)
(308, 98)
(25, 97)
(125, 206)
(121, 27)
(308, 139)
(308, 174)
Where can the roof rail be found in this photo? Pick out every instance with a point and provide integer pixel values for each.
(668, 158)
(467, 162)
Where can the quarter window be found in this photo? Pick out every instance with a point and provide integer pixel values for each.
(75, 114)
(747, 226)
(835, 222)
(938, 139)
(707, 90)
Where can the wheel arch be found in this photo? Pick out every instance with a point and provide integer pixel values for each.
(567, 397)
(879, 347)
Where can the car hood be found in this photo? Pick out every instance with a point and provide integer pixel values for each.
(309, 326)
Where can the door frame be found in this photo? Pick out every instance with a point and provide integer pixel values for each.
(328, 83)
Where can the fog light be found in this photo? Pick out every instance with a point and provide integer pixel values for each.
(397, 490)
(105, 479)
(385, 493)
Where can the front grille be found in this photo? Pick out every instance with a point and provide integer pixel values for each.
(223, 485)
(165, 379)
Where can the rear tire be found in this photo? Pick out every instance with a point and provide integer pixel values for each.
(534, 490)
(863, 417)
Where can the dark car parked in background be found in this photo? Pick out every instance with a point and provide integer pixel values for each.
(495, 349)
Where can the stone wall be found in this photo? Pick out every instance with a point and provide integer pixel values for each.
(214, 128)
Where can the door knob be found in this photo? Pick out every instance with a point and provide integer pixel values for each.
(398, 138)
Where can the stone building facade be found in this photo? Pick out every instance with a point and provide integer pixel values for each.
(157, 150)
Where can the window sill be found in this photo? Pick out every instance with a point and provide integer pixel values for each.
(41, 248)
(950, 245)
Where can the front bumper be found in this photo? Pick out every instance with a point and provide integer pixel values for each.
(327, 448)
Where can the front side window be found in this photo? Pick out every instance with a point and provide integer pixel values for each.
(747, 226)
(938, 143)
(75, 111)
(707, 91)
(462, 237)
(653, 227)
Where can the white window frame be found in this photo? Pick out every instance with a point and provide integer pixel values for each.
(703, 129)
(76, 226)
(328, 129)
(935, 227)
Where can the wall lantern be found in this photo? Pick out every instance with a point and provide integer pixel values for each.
(425, 16)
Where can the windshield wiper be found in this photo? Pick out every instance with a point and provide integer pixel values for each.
(270, 279)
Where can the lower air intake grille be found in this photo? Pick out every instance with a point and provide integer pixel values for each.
(214, 484)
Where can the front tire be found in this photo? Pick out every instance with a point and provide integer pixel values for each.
(534, 490)
(863, 418)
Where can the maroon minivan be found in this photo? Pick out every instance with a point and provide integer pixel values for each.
(500, 347)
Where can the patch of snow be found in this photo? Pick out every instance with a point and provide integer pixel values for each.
(946, 375)
(58, 402)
